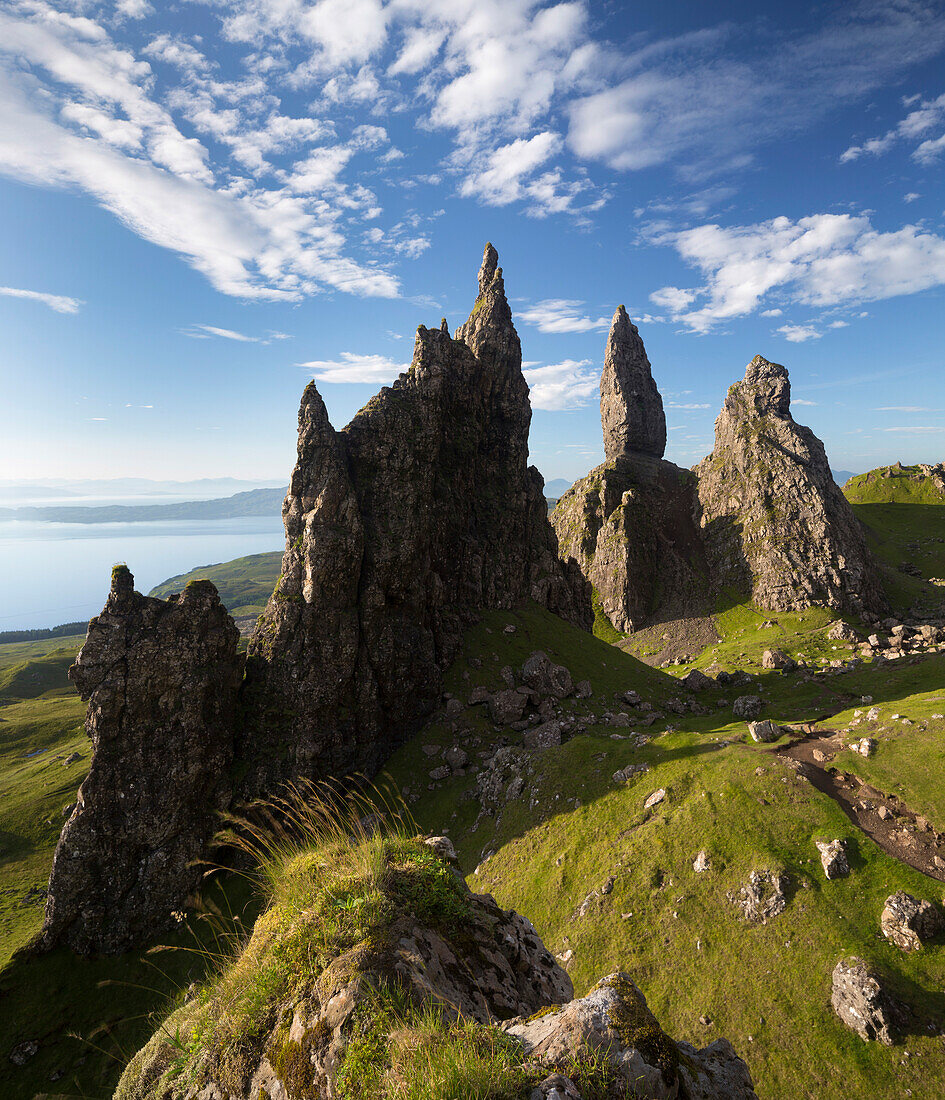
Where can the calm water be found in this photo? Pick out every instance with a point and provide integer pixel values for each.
(52, 573)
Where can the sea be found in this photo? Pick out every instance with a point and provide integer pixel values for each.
(52, 573)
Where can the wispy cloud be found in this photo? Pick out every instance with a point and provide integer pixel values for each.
(58, 302)
(914, 128)
(799, 334)
(917, 429)
(801, 401)
(352, 367)
(692, 405)
(559, 387)
(206, 332)
(562, 315)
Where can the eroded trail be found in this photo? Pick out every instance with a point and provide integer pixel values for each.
(884, 818)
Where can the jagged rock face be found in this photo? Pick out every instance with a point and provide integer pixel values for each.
(629, 527)
(161, 678)
(398, 530)
(775, 522)
(631, 409)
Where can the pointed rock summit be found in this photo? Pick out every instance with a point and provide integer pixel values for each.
(775, 522)
(631, 409)
(629, 524)
(399, 530)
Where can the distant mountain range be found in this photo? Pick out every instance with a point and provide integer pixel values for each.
(256, 502)
(557, 487)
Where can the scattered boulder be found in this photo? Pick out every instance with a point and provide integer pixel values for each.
(747, 706)
(614, 1022)
(545, 736)
(765, 731)
(866, 746)
(22, 1052)
(701, 862)
(908, 922)
(861, 1002)
(629, 772)
(655, 799)
(456, 757)
(443, 847)
(840, 631)
(833, 857)
(583, 689)
(545, 677)
(694, 680)
(762, 897)
(506, 707)
(777, 658)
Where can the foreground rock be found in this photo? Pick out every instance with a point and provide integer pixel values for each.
(861, 1002)
(908, 922)
(629, 523)
(833, 858)
(776, 524)
(614, 1023)
(463, 956)
(399, 529)
(161, 678)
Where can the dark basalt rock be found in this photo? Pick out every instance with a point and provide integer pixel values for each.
(161, 678)
(631, 409)
(399, 529)
(775, 522)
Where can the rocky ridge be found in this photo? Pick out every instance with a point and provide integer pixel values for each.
(399, 529)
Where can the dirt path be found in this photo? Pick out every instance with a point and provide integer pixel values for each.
(884, 818)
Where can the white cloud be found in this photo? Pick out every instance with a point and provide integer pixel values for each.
(917, 429)
(673, 299)
(58, 302)
(799, 334)
(911, 196)
(562, 315)
(772, 312)
(691, 405)
(905, 409)
(801, 401)
(351, 367)
(226, 333)
(839, 324)
(929, 115)
(822, 260)
(502, 181)
(562, 386)
(134, 9)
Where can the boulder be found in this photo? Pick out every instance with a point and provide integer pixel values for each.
(762, 897)
(507, 706)
(840, 631)
(694, 680)
(861, 1002)
(545, 677)
(908, 922)
(765, 731)
(833, 857)
(777, 658)
(614, 1023)
(544, 736)
(747, 706)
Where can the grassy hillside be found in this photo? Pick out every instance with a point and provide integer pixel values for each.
(767, 988)
(893, 485)
(245, 584)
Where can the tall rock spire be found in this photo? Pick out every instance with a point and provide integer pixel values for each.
(631, 409)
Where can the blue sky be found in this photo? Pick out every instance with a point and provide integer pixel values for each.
(204, 204)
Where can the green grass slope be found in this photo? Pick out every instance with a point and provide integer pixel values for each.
(244, 584)
(765, 987)
(893, 485)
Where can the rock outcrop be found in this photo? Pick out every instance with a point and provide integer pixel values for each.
(776, 524)
(629, 523)
(432, 951)
(161, 678)
(908, 922)
(399, 529)
(613, 1023)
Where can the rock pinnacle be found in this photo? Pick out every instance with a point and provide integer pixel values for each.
(631, 409)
